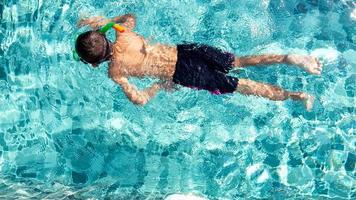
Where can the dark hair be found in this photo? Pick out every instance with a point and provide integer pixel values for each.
(93, 47)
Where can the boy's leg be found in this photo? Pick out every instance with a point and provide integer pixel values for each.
(248, 87)
(308, 63)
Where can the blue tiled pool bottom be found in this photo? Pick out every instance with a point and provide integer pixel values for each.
(67, 131)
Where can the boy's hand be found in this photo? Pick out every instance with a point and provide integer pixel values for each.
(94, 22)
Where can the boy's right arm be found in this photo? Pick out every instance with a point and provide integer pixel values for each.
(94, 22)
(127, 20)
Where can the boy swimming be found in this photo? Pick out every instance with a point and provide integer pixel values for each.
(191, 65)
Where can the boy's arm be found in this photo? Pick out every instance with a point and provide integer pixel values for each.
(136, 96)
(94, 22)
(127, 20)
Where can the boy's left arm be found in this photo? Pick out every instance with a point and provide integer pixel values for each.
(136, 96)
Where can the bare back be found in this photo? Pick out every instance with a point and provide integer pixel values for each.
(133, 56)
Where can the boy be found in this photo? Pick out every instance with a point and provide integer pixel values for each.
(190, 65)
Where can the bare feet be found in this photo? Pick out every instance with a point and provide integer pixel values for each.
(308, 101)
(308, 63)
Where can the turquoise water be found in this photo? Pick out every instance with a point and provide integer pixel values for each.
(67, 131)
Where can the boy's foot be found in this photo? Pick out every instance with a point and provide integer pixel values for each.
(308, 63)
(308, 101)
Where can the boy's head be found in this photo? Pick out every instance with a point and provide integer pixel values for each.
(93, 47)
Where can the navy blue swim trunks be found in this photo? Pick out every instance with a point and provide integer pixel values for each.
(205, 67)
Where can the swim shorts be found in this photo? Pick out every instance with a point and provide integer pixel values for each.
(205, 67)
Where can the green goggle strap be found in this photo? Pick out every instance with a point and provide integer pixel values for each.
(107, 27)
(75, 55)
(74, 52)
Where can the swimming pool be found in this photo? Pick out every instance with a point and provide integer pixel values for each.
(67, 131)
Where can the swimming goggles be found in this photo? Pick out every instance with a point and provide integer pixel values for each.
(103, 30)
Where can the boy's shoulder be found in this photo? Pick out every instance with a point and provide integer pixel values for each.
(113, 69)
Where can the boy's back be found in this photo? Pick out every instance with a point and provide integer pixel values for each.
(133, 56)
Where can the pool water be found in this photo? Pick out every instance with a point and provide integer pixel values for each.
(67, 131)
